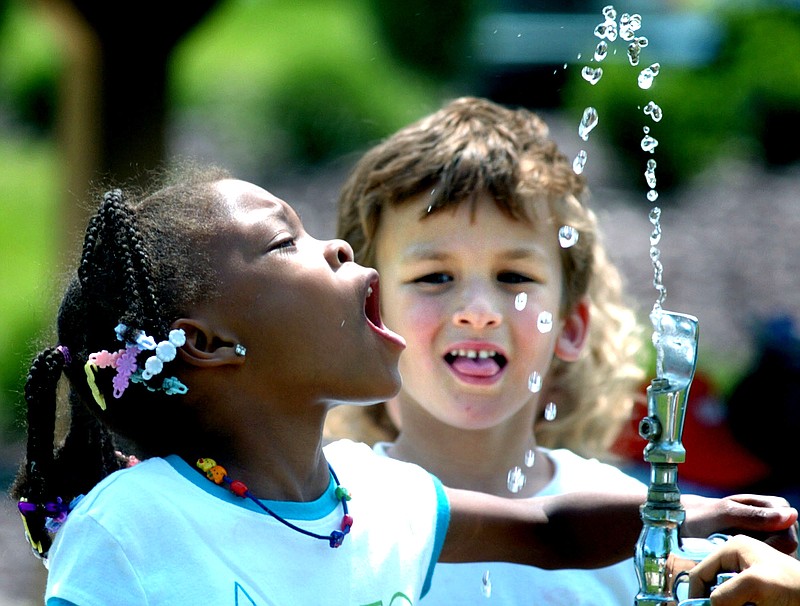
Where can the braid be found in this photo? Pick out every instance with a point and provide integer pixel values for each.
(35, 480)
(122, 277)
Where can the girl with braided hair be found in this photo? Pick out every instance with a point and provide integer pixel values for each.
(203, 321)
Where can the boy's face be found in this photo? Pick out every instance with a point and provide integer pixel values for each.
(469, 294)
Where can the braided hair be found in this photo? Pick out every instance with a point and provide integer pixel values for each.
(142, 264)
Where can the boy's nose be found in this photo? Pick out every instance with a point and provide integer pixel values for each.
(477, 315)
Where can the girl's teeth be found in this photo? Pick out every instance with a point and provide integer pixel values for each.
(369, 291)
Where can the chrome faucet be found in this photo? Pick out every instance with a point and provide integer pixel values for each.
(660, 554)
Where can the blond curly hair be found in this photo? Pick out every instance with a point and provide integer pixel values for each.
(474, 146)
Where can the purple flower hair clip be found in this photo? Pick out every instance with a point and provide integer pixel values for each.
(129, 369)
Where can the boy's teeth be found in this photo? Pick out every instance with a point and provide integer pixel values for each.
(474, 353)
(369, 290)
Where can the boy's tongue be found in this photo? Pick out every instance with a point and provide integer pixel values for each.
(476, 367)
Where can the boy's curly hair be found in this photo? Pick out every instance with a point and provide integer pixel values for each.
(473, 146)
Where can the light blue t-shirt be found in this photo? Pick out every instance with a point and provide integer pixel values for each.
(161, 533)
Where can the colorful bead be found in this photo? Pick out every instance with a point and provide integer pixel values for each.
(217, 474)
(172, 386)
(177, 337)
(90, 380)
(166, 351)
(347, 522)
(238, 488)
(336, 539)
(342, 493)
(205, 464)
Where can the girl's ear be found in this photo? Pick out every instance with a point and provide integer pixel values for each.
(204, 347)
(574, 332)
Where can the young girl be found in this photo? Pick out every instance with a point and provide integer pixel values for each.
(521, 353)
(207, 328)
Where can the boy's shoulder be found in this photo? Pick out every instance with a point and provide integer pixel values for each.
(574, 472)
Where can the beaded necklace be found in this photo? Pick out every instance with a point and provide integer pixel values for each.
(218, 475)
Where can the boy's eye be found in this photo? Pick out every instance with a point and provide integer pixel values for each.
(510, 277)
(433, 278)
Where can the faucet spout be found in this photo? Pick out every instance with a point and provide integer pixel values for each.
(659, 555)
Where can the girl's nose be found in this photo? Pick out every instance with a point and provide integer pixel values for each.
(338, 252)
(477, 314)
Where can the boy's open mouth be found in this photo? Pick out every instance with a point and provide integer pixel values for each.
(476, 362)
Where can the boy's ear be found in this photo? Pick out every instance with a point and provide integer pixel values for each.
(204, 347)
(574, 332)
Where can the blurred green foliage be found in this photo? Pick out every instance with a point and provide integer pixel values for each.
(744, 104)
(271, 84)
(295, 83)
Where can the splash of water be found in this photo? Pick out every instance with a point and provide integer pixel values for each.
(654, 111)
(567, 236)
(579, 162)
(516, 479)
(535, 382)
(592, 74)
(486, 585)
(545, 322)
(530, 457)
(588, 122)
(648, 75)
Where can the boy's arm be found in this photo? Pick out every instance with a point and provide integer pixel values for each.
(589, 530)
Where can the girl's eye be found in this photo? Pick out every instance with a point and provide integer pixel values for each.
(433, 278)
(510, 277)
(284, 245)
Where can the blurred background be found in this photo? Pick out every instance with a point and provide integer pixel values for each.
(287, 94)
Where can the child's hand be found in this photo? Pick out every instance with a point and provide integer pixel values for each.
(765, 575)
(767, 518)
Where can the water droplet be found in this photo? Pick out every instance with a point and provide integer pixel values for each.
(652, 195)
(633, 54)
(648, 75)
(654, 111)
(486, 585)
(520, 301)
(601, 51)
(530, 457)
(649, 144)
(591, 74)
(534, 382)
(579, 163)
(430, 208)
(628, 25)
(655, 215)
(642, 41)
(545, 322)
(579, 56)
(650, 173)
(607, 30)
(609, 12)
(588, 122)
(516, 479)
(567, 236)
(550, 411)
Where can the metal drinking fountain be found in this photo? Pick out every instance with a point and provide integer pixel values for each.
(659, 552)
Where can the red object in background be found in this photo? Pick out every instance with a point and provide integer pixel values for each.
(714, 457)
